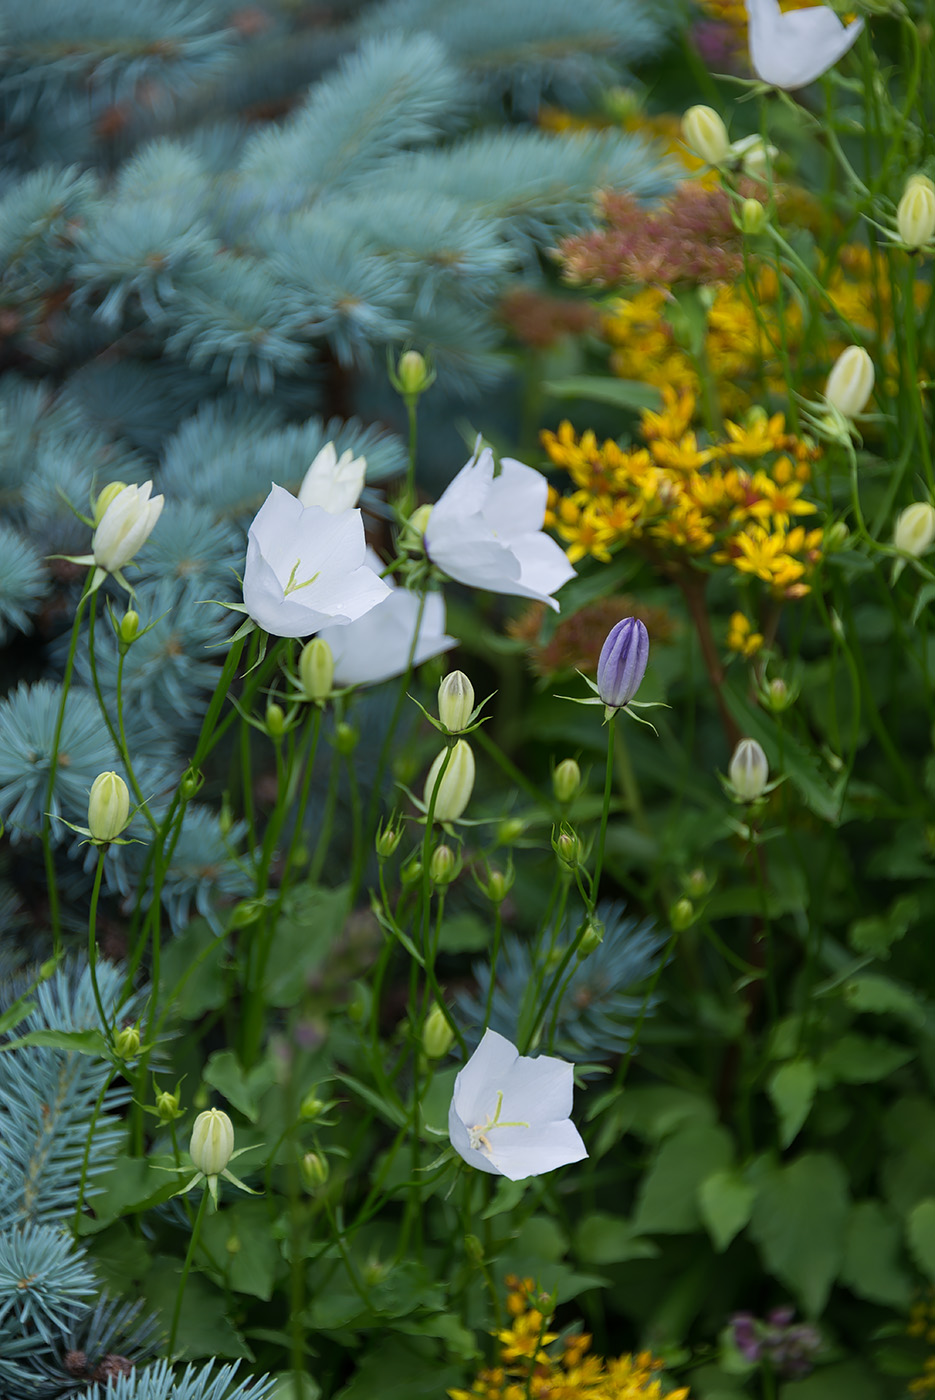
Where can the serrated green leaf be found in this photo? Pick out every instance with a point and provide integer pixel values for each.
(799, 1223)
(224, 1073)
(725, 1201)
(870, 992)
(791, 1088)
(877, 934)
(667, 1202)
(920, 1233)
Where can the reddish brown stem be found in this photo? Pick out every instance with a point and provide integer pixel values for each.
(692, 585)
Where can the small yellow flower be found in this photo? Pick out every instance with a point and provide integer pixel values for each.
(741, 636)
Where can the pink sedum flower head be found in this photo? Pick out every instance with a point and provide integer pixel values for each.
(509, 1113)
(306, 568)
(486, 531)
(333, 482)
(376, 647)
(791, 50)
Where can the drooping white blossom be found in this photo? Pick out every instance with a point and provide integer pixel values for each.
(306, 568)
(125, 526)
(486, 531)
(510, 1113)
(791, 49)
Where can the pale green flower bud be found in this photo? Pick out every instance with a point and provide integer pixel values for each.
(129, 626)
(346, 739)
(498, 886)
(316, 669)
(836, 536)
(457, 783)
(591, 939)
(411, 872)
(311, 1107)
(127, 1042)
(413, 374)
(914, 532)
(275, 719)
(387, 841)
(510, 830)
(704, 132)
(412, 536)
(455, 702)
(443, 866)
(850, 382)
(108, 807)
(753, 217)
(568, 848)
(748, 771)
(681, 915)
(167, 1106)
(437, 1035)
(915, 213)
(315, 1170)
(212, 1144)
(566, 781)
(779, 696)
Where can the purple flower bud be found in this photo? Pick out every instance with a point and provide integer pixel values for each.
(622, 663)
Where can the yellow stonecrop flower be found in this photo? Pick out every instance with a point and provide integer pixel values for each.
(741, 636)
(570, 1372)
(689, 498)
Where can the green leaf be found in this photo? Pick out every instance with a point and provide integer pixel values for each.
(506, 1195)
(306, 931)
(920, 1232)
(192, 971)
(792, 1090)
(393, 1370)
(224, 1073)
(204, 1329)
(75, 1042)
(726, 1204)
(876, 935)
(861, 1059)
(464, 933)
(849, 1380)
(871, 1267)
(667, 1201)
(799, 1223)
(387, 1111)
(241, 1241)
(132, 1184)
(619, 393)
(870, 992)
(285, 1387)
(606, 1239)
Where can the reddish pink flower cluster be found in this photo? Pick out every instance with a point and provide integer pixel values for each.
(689, 237)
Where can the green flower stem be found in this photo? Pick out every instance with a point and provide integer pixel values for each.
(605, 810)
(373, 805)
(337, 1232)
(494, 956)
(623, 1067)
(116, 731)
(86, 1155)
(920, 427)
(186, 1269)
(413, 416)
(106, 1029)
(55, 915)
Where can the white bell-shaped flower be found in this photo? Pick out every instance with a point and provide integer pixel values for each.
(791, 49)
(334, 482)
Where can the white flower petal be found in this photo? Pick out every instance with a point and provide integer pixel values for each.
(475, 1090)
(376, 647)
(793, 49)
(517, 499)
(461, 1142)
(538, 1089)
(522, 1152)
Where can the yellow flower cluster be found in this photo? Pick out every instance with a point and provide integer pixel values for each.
(741, 637)
(570, 1372)
(922, 1325)
(737, 500)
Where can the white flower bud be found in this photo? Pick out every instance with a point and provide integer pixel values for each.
(437, 1035)
(915, 213)
(914, 532)
(756, 157)
(748, 771)
(125, 525)
(704, 133)
(455, 701)
(457, 784)
(850, 382)
(212, 1144)
(108, 807)
(333, 483)
(753, 217)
